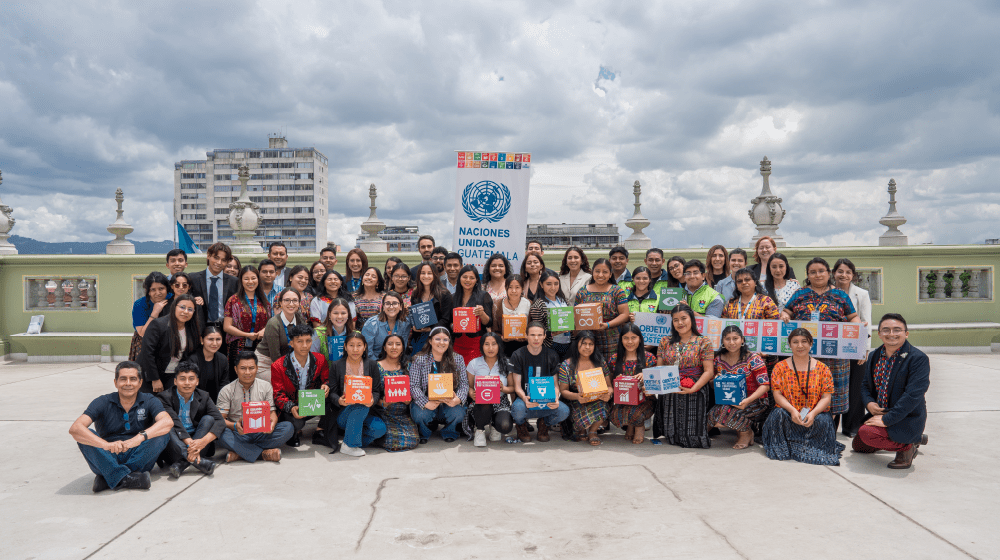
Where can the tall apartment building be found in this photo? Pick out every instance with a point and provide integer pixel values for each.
(290, 185)
(398, 239)
(563, 236)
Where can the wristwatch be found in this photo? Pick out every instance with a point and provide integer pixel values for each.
(144, 436)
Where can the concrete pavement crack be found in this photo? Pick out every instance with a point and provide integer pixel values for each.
(723, 537)
(374, 506)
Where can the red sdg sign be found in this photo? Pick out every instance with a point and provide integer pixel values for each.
(256, 417)
(465, 321)
(397, 388)
(489, 389)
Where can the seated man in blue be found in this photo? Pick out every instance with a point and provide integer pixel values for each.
(131, 433)
(197, 423)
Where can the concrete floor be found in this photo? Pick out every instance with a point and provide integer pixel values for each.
(545, 500)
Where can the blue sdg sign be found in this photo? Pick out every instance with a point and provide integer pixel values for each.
(486, 201)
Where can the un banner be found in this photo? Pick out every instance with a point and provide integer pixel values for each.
(491, 206)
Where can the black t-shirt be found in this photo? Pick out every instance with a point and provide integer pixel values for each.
(109, 417)
(545, 364)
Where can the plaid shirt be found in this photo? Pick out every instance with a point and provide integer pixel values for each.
(423, 365)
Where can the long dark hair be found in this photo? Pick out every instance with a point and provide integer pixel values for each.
(437, 290)
(157, 277)
(829, 272)
(403, 311)
(605, 262)
(640, 352)
(671, 281)
(524, 261)
(342, 292)
(501, 358)
(743, 347)
(460, 290)
(507, 269)
(348, 326)
(390, 284)
(769, 283)
(675, 336)
(757, 288)
(403, 362)
(190, 328)
(574, 351)
(379, 284)
(364, 262)
(448, 359)
(710, 278)
(849, 265)
(314, 287)
(639, 270)
(584, 262)
(546, 274)
(257, 292)
(352, 335)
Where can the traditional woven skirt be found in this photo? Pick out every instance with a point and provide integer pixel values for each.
(632, 414)
(401, 432)
(584, 415)
(736, 419)
(135, 347)
(684, 418)
(841, 372)
(816, 445)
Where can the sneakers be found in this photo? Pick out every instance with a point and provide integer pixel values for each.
(206, 466)
(271, 455)
(522, 432)
(352, 451)
(494, 434)
(100, 485)
(480, 439)
(134, 481)
(543, 430)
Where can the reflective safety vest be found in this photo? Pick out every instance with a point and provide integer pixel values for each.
(700, 300)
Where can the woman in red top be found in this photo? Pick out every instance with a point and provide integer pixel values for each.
(247, 313)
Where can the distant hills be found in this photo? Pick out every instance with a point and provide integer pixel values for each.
(28, 246)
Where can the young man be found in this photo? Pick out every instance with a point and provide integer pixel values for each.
(727, 286)
(535, 360)
(247, 388)
(438, 255)
(299, 370)
(328, 256)
(893, 392)
(212, 285)
(452, 266)
(177, 261)
(197, 423)
(131, 433)
(268, 272)
(654, 262)
(619, 268)
(425, 244)
(279, 255)
(703, 300)
(535, 246)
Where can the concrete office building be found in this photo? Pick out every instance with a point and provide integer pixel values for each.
(290, 185)
(564, 236)
(398, 239)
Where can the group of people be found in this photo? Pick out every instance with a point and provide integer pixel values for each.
(209, 342)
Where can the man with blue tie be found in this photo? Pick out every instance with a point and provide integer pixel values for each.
(214, 286)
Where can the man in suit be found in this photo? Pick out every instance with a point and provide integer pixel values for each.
(893, 393)
(278, 254)
(214, 286)
(197, 423)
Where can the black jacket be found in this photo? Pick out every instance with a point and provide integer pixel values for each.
(155, 354)
(199, 288)
(906, 413)
(338, 370)
(201, 405)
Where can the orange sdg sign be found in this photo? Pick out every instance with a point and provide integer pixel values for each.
(592, 384)
(357, 389)
(515, 327)
(440, 386)
(587, 316)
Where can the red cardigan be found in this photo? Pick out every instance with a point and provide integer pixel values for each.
(286, 391)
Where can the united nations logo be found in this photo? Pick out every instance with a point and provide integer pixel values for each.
(661, 319)
(486, 201)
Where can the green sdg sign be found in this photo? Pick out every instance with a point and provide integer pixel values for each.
(670, 297)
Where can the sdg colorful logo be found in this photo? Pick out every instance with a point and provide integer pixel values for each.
(486, 201)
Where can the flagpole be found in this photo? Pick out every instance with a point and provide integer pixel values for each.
(175, 221)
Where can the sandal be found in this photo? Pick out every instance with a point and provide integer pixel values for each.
(592, 439)
(604, 427)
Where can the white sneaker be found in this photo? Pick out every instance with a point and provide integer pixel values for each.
(480, 439)
(351, 451)
(495, 435)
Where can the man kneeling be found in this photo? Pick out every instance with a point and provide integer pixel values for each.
(197, 422)
(248, 388)
(131, 433)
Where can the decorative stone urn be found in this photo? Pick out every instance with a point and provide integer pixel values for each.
(373, 243)
(245, 217)
(893, 237)
(638, 240)
(6, 224)
(766, 211)
(120, 245)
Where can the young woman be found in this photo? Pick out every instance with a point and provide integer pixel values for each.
(333, 284)
(630, 359)
(298, 280)
(762, 251)
(675, 272)
(316, 272)
(482, 416)
(497, 270)
(167, 341)
(641, 298)
(512, 303)
(330, 336)
(551, 295)
(801, 427)
(531, 270)
(844, 275)
(781, 283)
(717, 263)
(469, 294)
(749, 301)
(368, 298)
(429, 288)
(392, 318)
(587, 413)
(390, 264)
(399, 280)
(820, 301)
(733, 358)
(439, 357)
(233, 267)
(247, 313)
(148, 308)
(357, 263)
(401, 433)
(684, 415)
(276, 342)
(574, 273)
(614, 305)
(212, 364)
(180, 284)
(360, 423)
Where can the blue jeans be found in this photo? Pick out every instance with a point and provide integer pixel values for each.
(450, 416)
(360, 427)
(177, 451)
(116, 466)
(521, 413)
(250, 446)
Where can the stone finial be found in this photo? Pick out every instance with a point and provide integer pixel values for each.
(765, 210)
(638, 239)
(892, 236)
(245, 217)
(7, 222)
(120, 245)
(372, 243)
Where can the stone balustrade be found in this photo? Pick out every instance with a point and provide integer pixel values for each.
(955, 283)
(870, 279)
(60, 293)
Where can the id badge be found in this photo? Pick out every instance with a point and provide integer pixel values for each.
(815, 316)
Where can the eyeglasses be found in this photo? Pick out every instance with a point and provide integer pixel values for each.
(127, 425)
(185, 309)
(892, 331)
(181, 285)
(745, 280)
(692, 273)
(289, 300)
(391, 304)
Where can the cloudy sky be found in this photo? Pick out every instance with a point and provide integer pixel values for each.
(686, 97)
